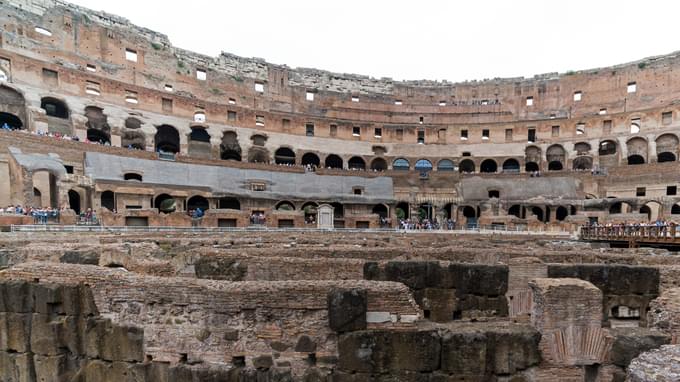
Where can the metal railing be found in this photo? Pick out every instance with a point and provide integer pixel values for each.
(665, 232)
(259, 228)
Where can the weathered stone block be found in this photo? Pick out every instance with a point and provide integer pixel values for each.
(476, 279)
(80, 257)
(220, 269)
(630, 342)
(305, 345)
(464, 354)
(612, 279)
(347, 309)
(414, 274)
(438, 303)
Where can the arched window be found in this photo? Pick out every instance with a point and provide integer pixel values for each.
(108, 200)
(488, 165)
(230, 149)
(311, 159)
(380, 210)
(423, 165)
(607, 148)
(229, 203)
(197, 201)
(284, 155)
(445, 165)
(54, 107)
(165, 203)
(167, 139)
(12, 121)
(511, 165)
(356, 163)
(199, 135)
(466, 166)
(401, 164)
(285, 206)
(132, 176)
(379, 164)
(333, 161)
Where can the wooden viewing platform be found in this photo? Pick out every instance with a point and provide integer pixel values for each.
(633, 236)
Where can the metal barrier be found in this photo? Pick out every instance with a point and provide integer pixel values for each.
(256, 228)
(635, 233)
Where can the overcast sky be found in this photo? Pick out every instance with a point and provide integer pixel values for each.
(423, 39)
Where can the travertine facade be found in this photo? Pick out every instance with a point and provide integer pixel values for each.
(604, 140)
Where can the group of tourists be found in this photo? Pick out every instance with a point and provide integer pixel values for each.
(40, 215)
(659, 227)
(426, 224)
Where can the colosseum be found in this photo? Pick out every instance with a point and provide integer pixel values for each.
(229, 219)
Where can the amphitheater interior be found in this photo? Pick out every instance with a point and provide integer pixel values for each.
(297, 267)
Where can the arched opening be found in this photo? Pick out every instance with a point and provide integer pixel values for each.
(445, 165)
(532, 154)
(167, 139)
(466, 166)
(582, 148)
(333, 161)
(488, 166)
(356, 163)
(583, 163)
(132, 176)
(98, 129)
(74, 201)
(311, 159)
(10, 122)
(652, 209)
(620, 208)
(227, 203)
(469, 212)
(230, 149)
(310, 211)
(132, 123)
(380, 210)
(165, 203)
(538, 212)
(637, 151)
(284, 155)
(258, 154)
(675, 210)
(199, 134)
(636, 159)
(448, 210)
(665, 157)
(402, 210)
(378, 164)
(511, 165)
(258, 140)
(401, 164)
(561, 213)
(607, 148)
(531, 167)
(423, 165)
(285, 206)
(556, 157)
(46, 185)
(517, 211)
(54, 107)
(425, 211)
(555, 166)
(133, 140)
(197, 201)
(108, 200)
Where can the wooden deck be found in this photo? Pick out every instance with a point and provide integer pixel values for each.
(634, 236)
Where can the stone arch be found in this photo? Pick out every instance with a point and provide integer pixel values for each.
(257, 154)
(637, 150)
(607, 147)
(423, 165)
(228, 203)
(675, 210)
(98, 129)
(561, 213)
(285, 205)
(356, 163)
(582, 163)
(488, 166)
(133, 123)
(401, 164)
(230, 149)
(667, 148)
(284, 155)
(517, 211)
(259, 139)
(511, 165)
(402, 210)
(620, 208)
(446, 165)
(556, 157)
(381, 210)
(466, 166)
(378, 164)
(198, 201)
(165, 203)
(199, 143)
(54, 107)
(532, 154)
(531, 167)
(652, 209)
(12, 108)
(167, 139)
(582, 148)
(311, 159)
(133, 139)
(538, 212)
(333, 161)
